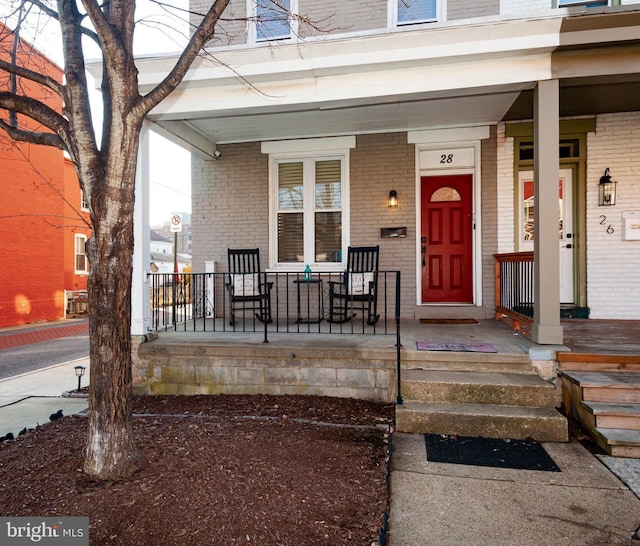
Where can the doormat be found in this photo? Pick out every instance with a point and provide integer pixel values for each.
(448, 321)
(493, 452)
(456, 347)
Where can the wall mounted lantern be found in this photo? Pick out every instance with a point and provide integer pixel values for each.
(607, 190)
(393, 198)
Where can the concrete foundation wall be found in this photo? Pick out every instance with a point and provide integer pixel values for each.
(209, 369)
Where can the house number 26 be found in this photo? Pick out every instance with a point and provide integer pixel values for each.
(446, 158)
(603, 220)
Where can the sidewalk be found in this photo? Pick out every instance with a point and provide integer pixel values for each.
(28, 400)
(439, 504)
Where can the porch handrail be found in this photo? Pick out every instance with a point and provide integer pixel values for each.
(200, 302)
(514, 287)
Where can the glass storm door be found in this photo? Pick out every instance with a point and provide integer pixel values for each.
(565, 225)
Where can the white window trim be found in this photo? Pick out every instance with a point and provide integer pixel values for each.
(84, 202)
(305, 150)
(84, 271)
(447, 139)
(252, 27)
(392, 14)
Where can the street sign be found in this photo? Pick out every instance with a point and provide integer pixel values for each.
(176, 223)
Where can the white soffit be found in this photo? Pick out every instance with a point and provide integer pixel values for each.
(448, 135)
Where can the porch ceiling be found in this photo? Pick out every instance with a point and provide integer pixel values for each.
(348, 117)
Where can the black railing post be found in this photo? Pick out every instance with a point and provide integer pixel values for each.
(399, 400)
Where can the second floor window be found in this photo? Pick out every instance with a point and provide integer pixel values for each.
(84, 204)
(81, 265)
(416, 11)
(588, 3)
(273, 19)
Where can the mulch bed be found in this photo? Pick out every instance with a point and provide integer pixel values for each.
(266, 470)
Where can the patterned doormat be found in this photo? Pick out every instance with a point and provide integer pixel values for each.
(457, 347)
(494, 452)
(448, 321)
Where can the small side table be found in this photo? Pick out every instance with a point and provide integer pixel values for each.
(309, 293)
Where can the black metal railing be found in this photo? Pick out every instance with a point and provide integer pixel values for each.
(284, 302)
(514, 285)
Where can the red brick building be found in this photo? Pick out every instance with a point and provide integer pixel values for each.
(42, 222)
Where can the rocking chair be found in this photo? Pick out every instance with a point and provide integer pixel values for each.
(358, 289)
(248, 287)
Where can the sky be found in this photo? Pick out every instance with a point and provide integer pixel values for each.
(170, 168)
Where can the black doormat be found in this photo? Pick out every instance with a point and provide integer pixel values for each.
(495, 452)
(448, 321)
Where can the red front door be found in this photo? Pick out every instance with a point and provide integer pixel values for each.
(446, 239)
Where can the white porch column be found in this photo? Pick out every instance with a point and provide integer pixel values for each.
(546, 327)
(140, 321)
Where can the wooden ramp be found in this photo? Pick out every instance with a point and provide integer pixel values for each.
(602, 392)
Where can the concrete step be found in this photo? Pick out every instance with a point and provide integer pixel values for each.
(462, 361)
(507, 389)
(618, 442)
(483, 420)
(606, 386)
(611, 415)
(582, 362)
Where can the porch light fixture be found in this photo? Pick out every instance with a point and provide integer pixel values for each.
(607, 190)
(79, 373)
(393, 198)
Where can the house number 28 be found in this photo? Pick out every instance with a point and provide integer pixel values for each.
(446, 158)
(603, 220)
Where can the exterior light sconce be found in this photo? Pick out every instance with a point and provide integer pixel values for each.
(79, 373)
(393, 198)
(607, 190)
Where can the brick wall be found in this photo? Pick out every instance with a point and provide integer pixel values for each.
(515, 7)
(31, 211)
(230, 204)
(232, 27)
(466, 9)
(490, 219)
(505, 199)
(338, 16)
(381, 163)
(613, 264)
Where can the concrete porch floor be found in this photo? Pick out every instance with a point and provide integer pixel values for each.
(583, 336)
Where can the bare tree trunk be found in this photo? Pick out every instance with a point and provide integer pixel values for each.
(110, 452)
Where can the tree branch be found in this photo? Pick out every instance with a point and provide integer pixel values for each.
(35, 110)
(41, 79)
(199, 38)
(47, 139)
(55, 16)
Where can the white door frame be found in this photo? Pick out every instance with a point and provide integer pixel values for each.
(432, 148)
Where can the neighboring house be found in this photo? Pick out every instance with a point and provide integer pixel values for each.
(488, 119)
(184, 237)
(42, 218)
(162, 254)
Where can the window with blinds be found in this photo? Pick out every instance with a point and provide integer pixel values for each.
(309, 210)
(80, 255)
